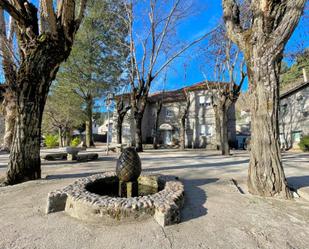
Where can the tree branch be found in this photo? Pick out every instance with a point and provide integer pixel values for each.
(20, 19)
(231, 18)
(173, 57)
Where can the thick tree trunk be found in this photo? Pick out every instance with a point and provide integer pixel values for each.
(25, 163)
(89, 134)
(266, 174)
(138, 133)
(37, 70)
(10, 115)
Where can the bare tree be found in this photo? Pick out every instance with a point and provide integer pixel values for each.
(158, 106)
(184, 118)
(44, 42)
(8, 55)
(262, 43)
(153, 51)
(122, 107)
(226, 93)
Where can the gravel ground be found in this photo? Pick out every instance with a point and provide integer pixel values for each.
(215, 215)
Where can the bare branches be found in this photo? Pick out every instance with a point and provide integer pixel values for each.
(6, 47)
(286, 24)
(81, 13)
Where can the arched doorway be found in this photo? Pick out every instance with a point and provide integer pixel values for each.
(167, 132)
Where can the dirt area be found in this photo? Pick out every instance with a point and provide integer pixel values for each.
(215, 214)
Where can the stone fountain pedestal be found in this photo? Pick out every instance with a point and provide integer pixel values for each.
(128, 189)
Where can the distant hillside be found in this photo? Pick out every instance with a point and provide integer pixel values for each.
(294, 74)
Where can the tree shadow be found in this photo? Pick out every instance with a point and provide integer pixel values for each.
(195, 198)
(196, 166)
(66, 176)
(65, 162)
(298, 182)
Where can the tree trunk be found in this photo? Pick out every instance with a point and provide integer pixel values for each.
(183, 133)
(225, 148)
(218, 127)
(89, 135)
(119, 129)
(60, 137)
(266, 174)
(68, 137)
(155, 135)
(138, 134)
(25, 162)
(38, 69)
(10, 114)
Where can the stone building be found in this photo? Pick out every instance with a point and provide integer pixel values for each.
(294, 115)
(200, 124)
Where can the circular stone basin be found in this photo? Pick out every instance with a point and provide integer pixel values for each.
(96, 198)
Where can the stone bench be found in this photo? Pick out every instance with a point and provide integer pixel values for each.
(87, 157)
(55, 156)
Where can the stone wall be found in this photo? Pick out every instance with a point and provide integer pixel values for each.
(201, 117)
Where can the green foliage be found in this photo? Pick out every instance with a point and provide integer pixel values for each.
(51, 141)
(75, 142)
(63, 110)
(295, 72)
(304, 143)
(99, 55)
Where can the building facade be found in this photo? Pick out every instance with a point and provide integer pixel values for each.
(294, 115)
(200, 131)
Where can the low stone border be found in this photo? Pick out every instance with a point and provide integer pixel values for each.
(87, 157)
(75, 200)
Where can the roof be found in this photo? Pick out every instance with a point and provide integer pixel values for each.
(178, 94)
(295, 89)
(168, 96)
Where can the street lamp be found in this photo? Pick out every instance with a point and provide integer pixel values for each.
(110, 97)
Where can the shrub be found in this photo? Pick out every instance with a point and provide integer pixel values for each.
(51, 141)
(304, 143)
(75, 142)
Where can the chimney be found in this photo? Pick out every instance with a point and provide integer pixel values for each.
(305, 75)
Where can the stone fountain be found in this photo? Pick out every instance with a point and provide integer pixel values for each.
(124, 195)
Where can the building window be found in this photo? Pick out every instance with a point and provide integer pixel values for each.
(204, 102)
(206, 130)
(283, 108)
(168, 113)
(203, 130)
(296, 136)
(209, 130)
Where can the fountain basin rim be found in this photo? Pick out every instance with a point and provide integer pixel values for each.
(78, 202)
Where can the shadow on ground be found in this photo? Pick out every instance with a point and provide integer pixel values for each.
(203, 165)
(195, 198)
(298, 181)
(63, 162)
(65, 176)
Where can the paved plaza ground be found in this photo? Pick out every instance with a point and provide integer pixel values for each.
(215, 215)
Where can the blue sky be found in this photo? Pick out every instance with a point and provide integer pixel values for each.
(206, 16)
(205, 20)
